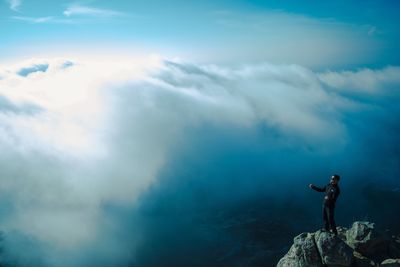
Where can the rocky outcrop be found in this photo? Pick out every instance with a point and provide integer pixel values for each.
(364, 238)
(304, 252)
(317, 249)
(362, 261)
(391, 263)
(333, 250)
(360, 246)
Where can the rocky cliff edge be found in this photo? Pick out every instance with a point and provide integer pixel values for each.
(362, 245)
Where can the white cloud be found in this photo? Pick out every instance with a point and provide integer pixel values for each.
(104, 129)
(33, 19)
(364, 80)
(73, 14)
(14, 4)
(79, 10)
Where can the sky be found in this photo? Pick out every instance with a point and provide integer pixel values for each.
(318, 35)
(140, 133)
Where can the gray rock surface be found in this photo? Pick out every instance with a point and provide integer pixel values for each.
(342, 232)
(362, 261)
(360, 246)
(317, 249)
(332, 249)
(391, 263)
(303, 253)
(363, 237)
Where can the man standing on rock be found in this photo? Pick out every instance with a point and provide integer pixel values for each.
(332, 192)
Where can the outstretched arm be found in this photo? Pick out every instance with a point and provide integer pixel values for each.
(316, 188)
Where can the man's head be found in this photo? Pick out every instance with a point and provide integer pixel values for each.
(335, 179)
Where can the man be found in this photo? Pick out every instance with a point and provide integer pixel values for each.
(332, 192)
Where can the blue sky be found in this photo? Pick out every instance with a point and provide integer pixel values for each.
(338, 34)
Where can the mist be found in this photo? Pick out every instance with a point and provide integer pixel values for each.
(160, 162)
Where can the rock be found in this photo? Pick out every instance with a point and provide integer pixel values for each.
(303, 253)
(394, 248)
(317, 249)
(363, 237)
(391, 263)
(333, 250)
(360, 246)
(361, 261)
(342, 232)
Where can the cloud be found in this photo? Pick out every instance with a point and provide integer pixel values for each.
(73, 14)
(364, 81)
(102, 132)
(7, 106)
(79, 10)
(14, 4)
(50, 19)
(33, 19)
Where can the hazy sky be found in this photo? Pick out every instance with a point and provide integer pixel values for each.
(315, 34)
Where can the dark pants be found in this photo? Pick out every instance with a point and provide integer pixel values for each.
(329, 218)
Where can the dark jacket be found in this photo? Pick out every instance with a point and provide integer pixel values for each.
(331, 193)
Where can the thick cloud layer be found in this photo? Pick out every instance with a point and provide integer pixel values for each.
(106, 161)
